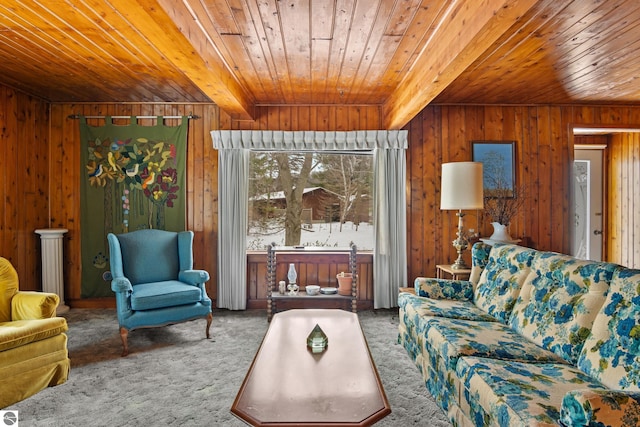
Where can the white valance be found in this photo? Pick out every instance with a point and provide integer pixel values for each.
(309, 140)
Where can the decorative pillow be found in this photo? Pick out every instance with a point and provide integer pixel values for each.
(611, 353)
(558, 304)
(479, 259)
(588, 407)
(500, 282)
(443, 288)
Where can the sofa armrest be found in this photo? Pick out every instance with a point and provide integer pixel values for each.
(587, 407)
(193, 277)
(461, 290)
(30, 305)
(121, 284)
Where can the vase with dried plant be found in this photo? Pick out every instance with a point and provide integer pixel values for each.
(501, 204)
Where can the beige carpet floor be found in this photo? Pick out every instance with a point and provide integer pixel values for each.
(174, 376)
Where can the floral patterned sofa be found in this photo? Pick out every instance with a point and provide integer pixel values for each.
(533, 338)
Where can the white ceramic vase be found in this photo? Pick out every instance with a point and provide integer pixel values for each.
(500, 233)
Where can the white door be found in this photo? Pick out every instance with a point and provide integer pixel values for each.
(588, 191)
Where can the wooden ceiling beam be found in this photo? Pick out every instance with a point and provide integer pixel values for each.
(464, 33)
(170, 26)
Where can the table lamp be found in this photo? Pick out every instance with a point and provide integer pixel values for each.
(461, 190)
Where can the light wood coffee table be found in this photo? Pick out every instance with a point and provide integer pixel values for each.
(289, 385)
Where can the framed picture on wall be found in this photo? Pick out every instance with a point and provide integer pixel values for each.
(498, 165)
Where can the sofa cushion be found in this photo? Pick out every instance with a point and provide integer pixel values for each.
(502, 278)
(453, 338)
(147, 296)
(21, 332)
(559, 301)
(416, 311)
(156, 252)
(508, 393)
(611, 352)
(421, 307)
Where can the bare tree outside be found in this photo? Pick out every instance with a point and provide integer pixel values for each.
(349, 176)
(278, 180)
(263, 180)
(294, 176)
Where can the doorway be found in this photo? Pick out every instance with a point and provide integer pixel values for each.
(588, 233)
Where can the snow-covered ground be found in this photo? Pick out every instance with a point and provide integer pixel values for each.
(321, 234)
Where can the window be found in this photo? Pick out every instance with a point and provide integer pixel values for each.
(310, 199)
(389, 201)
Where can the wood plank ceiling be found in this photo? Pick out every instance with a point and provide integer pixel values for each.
(398, 54)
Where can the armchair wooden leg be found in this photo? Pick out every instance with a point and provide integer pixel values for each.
(125, 347)
(209, 320)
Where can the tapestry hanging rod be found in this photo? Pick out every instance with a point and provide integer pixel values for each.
(77, 116)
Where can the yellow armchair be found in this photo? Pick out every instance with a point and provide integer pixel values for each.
(33, 345)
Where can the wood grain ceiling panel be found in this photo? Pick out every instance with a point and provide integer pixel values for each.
(564, 52)
(337, 50)
(82, 53)
(268, 25)
(409, 31)
(295, 31)
(316, 51)
(394, 54)
(322, 30)
(464, 32)
(228, 31)
(367, 27)
(379, 47)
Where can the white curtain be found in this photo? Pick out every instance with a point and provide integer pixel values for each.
(233, 194)
(389, 148)
(390, 221)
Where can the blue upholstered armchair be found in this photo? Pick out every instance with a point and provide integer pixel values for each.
(154, 281)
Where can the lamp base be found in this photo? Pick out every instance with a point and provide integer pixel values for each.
(459, 265)
(460, 243)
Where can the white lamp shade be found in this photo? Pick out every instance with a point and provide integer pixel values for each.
(461, 186)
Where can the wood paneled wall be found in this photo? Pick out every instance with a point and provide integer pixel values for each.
(623, 194)
(202, 180)
(544, 156)
(442, 134)
(40, 172)
(312, 117)
(24, 182)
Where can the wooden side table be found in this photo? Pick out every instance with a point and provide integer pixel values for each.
(301, 297)
(442, 270)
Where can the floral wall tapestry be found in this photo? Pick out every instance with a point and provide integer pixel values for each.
(133, 178)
